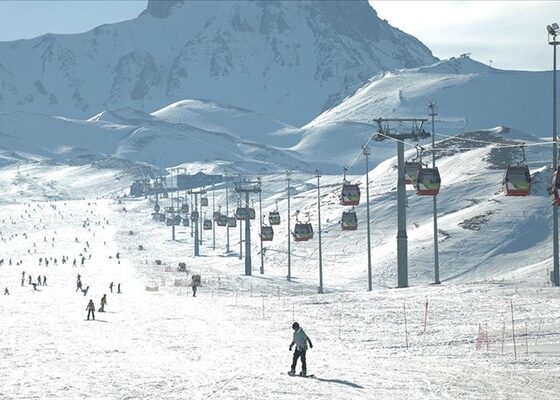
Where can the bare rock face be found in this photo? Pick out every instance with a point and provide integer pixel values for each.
(286, 59)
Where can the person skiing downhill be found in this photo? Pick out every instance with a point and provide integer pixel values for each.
(300, 340)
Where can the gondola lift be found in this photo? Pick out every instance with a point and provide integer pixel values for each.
(517, 178)
(267, 233)
(274, 216)
(303, 231)
(350, 193)
(428, 182)
(349, 220)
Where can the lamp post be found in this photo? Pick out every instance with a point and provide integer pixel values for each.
(553, 31)
(366, 152)
(213, 219)
(259, 180)
(432, 112)
(289, 277)
(227, 214)
(318, 175)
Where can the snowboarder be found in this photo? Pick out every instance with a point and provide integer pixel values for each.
(111, 287)
(103, 303)
(84, 291)
(90, 309)
(300, 340)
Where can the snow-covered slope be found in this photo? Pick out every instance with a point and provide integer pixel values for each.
(246, 124)
(135, 136)
(287, 59)
(470, 95)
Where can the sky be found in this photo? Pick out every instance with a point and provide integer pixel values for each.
(510, 33)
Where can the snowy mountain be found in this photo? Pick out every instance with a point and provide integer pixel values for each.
(286, 59)
(470, 96)
(159, 139)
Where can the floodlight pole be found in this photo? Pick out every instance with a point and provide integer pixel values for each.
(201, 219)
(193, 207)
(240, 233)
(318, 175)
(227, 214)
(366, 152)
(432, 112)
(261, 221)
(195, 223)
(248, 268)
(213, 219)
(289, 277)
(553, 41)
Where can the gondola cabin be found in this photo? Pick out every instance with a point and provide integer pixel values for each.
(216, 215)
(184, 208)
(274, 218)
(222, 220)
(241, 213)
(350, 195)
(556, 187)
(173, 220)
(267, 233)
(349, 221)
(194, 216)
(204, 201)
(411, 171)
(428, 182)
(517, 180)
(185, 222)
(231, 222)
(207, 224)
(303, 232)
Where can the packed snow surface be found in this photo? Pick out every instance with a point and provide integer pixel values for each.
(231, 340)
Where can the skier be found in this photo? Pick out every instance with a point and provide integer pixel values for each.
(90, 309)
(103, 303)
(111, 287)
(300, 340)
(194, 289)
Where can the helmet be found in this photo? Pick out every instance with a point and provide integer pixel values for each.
(295, 326)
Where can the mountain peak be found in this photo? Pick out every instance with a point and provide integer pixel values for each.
(161, 8)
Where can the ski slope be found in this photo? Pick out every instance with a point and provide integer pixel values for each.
(231, 341)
